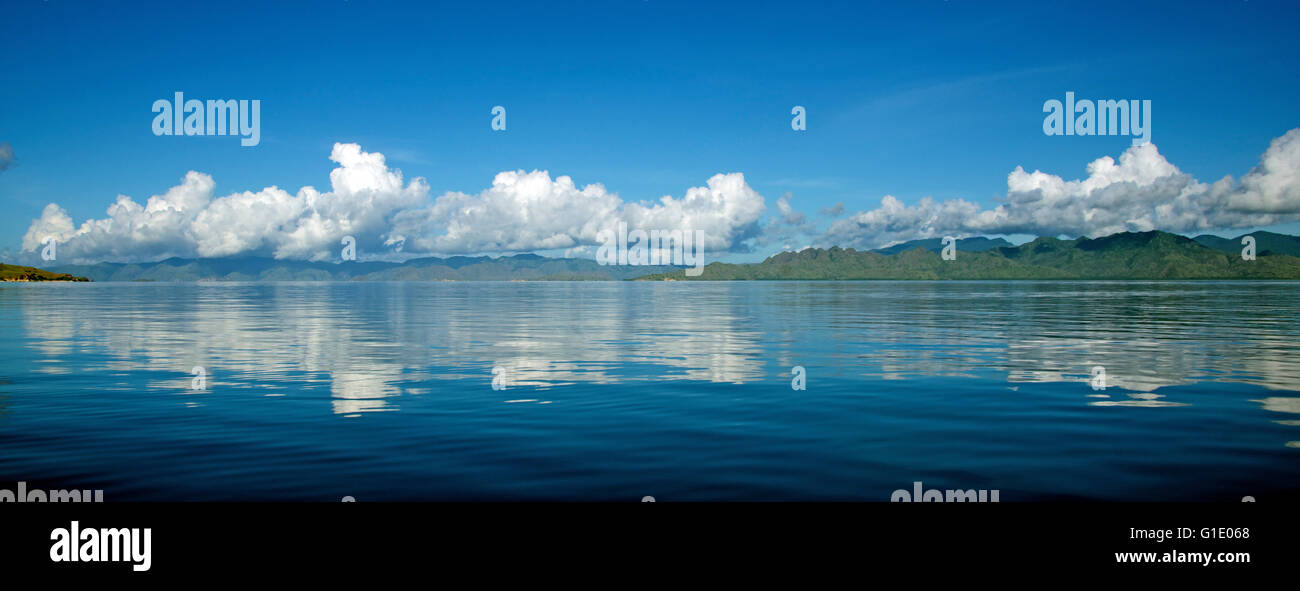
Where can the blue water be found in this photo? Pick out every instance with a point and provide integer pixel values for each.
(680, 391)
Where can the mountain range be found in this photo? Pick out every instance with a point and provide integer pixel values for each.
(1127, 255)
(1265, 243)
(520, 267)
(976, 244)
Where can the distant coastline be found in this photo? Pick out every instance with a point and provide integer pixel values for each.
(1153, 255)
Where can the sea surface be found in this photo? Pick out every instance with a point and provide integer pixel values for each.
(679, 391)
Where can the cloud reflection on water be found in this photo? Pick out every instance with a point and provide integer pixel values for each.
(369, 344)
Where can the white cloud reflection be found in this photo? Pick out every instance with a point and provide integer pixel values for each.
(364, 347)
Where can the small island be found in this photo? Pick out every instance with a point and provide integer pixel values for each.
(23, 274)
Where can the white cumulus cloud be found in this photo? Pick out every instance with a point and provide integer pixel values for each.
(531, 211)
(521, 211)
(1142, 191)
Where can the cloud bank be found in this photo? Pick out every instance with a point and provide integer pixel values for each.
(521, 211)
(531, 211)
(1142, 192)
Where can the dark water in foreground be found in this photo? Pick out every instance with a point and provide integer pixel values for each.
(615, 391)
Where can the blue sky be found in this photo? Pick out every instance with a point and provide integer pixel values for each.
(647, 98)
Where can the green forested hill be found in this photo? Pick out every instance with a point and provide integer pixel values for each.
(1265, 242)
(1128, 255)
(19, 273)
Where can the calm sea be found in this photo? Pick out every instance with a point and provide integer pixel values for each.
(680, 391)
